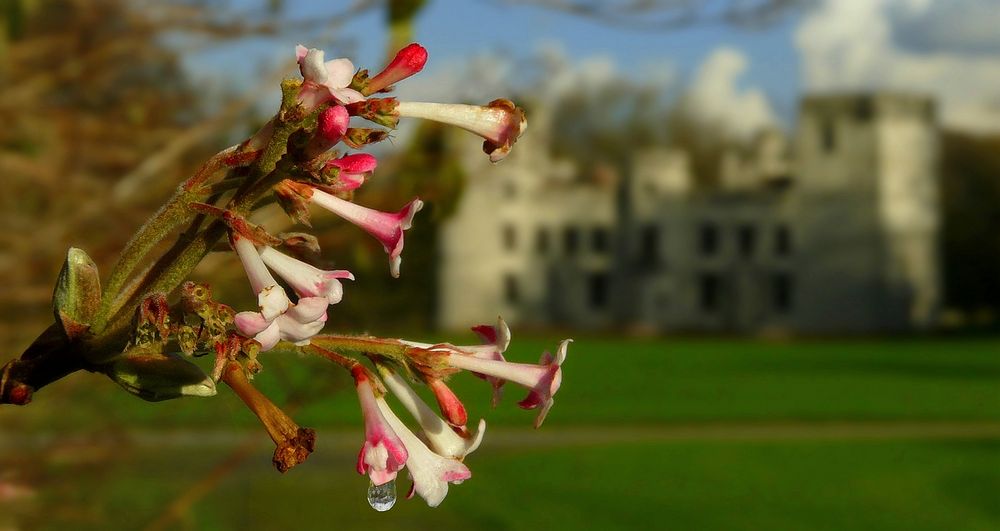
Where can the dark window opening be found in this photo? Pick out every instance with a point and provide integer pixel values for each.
(781, 292)
(598, 285)
(708, 239)
(747, 237)
(571, 240)
(709, 287)
(863, 109)
(511, 291)
(782, 241)
(599, 240)
(542, 241)
(649, 245)
(509, 237)
(828, 136)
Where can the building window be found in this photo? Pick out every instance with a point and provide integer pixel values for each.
(542, 241)
(649, 245)
(708, 239)
(571, 240)
(863, 109)
(598, 291)
(709, 286)
(781, 292)
(782, 241)
(509, 237)
(747, 237)
(599, 240)
(511, 291)
(828, 136)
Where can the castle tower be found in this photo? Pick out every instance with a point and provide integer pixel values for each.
(867, 213)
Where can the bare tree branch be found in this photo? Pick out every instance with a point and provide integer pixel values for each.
(664, 15)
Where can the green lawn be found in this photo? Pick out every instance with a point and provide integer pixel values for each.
(609, 384)
(703, 486)
(614, 381)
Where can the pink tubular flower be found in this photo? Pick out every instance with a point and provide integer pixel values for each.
(324, 80)
(386, 227)
(307, 280)
(431, 473)
(353, 170)
(277, 317)
(408, 61)
(542, 380)
(441, 438)
(383, 454)
(500, 122)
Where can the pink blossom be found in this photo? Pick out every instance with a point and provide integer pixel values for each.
(353, 170)
(500, 123)
(325, 81)
(440, 437)
(277, 318)
(307, 280)
(385, 226)
(383, 454)
(542, 380)
(297, 324)
(431, 473)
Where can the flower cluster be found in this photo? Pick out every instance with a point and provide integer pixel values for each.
(130, 332)
(433, 455)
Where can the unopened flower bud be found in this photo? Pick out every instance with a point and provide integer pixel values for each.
(408, 61)
(77, 296)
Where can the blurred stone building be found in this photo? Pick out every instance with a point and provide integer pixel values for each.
(832, 230)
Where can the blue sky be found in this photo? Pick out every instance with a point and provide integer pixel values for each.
(945, 48)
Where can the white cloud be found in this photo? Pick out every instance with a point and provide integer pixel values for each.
(715, 97)
(934, 46)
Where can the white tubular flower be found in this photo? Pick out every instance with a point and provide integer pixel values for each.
(431, 473)
(437, 433)
(278, 319)
(270, 297)
(307, 280)
(500, 123)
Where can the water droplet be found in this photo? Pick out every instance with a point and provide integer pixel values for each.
(382, 497)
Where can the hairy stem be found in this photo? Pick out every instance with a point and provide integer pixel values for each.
(173, 214)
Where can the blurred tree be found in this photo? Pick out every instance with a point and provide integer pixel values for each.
(660, 15)
(101, 123)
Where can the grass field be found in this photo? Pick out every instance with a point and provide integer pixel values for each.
(646, 434)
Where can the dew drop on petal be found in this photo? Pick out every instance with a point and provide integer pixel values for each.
(382, 497)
